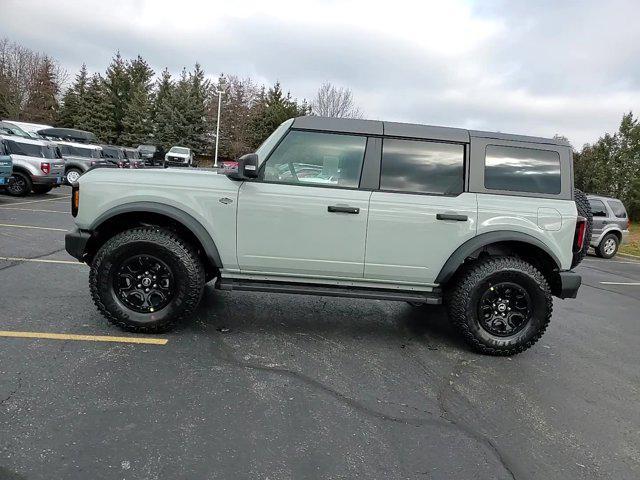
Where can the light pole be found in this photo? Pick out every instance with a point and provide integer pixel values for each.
(215, 161)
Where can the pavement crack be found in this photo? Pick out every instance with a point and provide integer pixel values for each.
(448, 388)
(226, 355)
(15, 263)
(12, 392)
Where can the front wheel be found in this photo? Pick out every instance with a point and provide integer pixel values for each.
(72, 175)
(146, 279)
(608, 246)
(500, 305)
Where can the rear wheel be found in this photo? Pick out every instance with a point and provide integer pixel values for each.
(41, 189)
(20, 185)
(146, 279)
(500, 305)
(608, 246)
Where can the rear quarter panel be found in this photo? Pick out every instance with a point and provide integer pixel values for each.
(196, 192)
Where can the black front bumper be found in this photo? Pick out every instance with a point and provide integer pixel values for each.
(75, 243)
(569, 284)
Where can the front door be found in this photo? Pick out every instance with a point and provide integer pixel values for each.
(421, 213)
(304, 215)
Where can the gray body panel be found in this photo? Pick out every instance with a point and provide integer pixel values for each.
(603, 225)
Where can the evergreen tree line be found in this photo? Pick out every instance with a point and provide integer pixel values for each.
(611, 166)
(126, 106)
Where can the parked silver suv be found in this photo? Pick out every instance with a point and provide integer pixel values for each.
(80, 158)
(489, 223)
(37, 165)
(610, 225)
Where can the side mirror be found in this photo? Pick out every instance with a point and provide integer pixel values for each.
(247, 167)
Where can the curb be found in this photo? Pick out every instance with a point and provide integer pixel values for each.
(628, 255)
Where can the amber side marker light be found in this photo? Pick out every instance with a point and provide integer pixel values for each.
(75, 199)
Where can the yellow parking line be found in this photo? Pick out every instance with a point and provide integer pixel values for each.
(33, 210)
(32, 226)
(84, 338)
(45, 200)
(39, 260)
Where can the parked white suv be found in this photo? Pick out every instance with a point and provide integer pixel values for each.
(178, 157)
(485, 221)
(37, 165)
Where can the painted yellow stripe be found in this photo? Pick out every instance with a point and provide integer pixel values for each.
(33, 226)
(33, 210)
(45, 200)
(39, 260)
(84, 338)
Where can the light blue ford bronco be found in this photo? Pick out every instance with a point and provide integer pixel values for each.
(487, 223)
(6, 166)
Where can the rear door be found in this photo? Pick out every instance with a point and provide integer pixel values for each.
(305, 215)
(600, 217)
(421, 213)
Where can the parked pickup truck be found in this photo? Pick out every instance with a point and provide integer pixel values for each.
(488, 223)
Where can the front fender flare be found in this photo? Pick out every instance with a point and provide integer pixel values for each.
(172, 212)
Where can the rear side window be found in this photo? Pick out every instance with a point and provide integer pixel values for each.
(522, 169)
(414, 166)
(313, 158)
(618, 208)
(597, 208)
(26, 149)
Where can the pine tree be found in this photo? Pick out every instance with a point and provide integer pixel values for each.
(137, 122)
(118, 86)
(42, 104)
(162, 107)
(101, 121)
(73, 108)
(199, 138)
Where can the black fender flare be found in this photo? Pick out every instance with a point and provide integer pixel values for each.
(172, 212)
(458, 257)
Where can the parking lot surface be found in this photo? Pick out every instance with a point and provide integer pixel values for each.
(287, 387)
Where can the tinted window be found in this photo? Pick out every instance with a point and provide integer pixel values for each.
(522, 169)
(317, 159)
(112, 153)
(422, 167)
(597, 208)
(27, 149)
(618, 208)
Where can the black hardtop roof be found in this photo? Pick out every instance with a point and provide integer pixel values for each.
(410, 130)
(71, 133)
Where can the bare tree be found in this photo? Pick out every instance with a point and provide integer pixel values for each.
(331, 101)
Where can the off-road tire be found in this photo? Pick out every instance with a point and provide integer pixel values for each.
(41, 189)
(469, 285)
(584, 210)
(181, 258)
(600, 249)
(21, 185)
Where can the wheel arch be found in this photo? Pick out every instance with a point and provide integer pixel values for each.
(127, 216)
(500, 243)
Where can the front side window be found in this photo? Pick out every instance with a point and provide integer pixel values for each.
(313, 158)
(415, 166)
(618, 208)
(597, 208)
(522, 169)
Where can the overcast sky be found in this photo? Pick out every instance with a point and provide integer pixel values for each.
(529, 67)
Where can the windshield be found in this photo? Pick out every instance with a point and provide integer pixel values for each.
(181, 150)
(132, 154)
(265, 149)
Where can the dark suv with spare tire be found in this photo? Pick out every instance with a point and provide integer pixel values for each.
(488, 223)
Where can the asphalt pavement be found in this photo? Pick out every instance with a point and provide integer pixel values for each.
(269, 386)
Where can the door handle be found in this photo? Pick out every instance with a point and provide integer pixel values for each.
(452, 216)
(340, 209)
